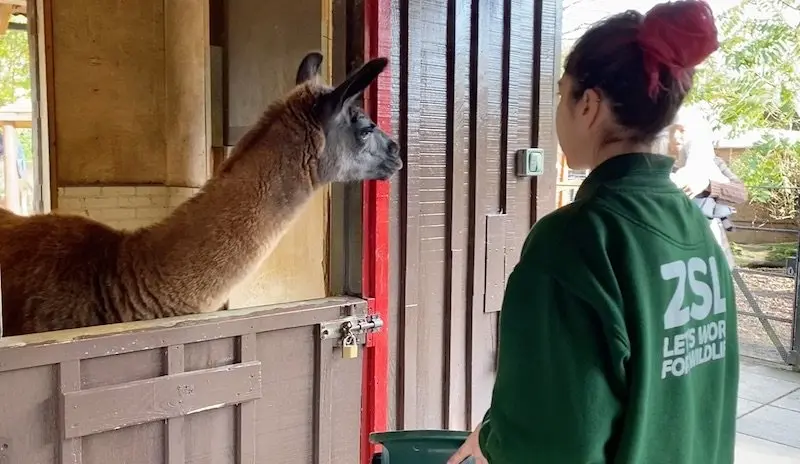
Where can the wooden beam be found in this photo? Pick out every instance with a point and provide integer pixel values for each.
(6, 118)
(174, 440)
(11, 175)
(19, 3)
(53, 347)
(102, 409)
(16, 123)
(69, 379)
(246, 414)
(47, 100)
(1, 310)
(5, 17)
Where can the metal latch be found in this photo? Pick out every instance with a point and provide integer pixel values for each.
(350, 332)
(356, 326)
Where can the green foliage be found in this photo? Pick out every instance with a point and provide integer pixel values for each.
(15, 77)
(753, 80)
(15, 73)
(25, 138)
(771, 172)
(763, 254)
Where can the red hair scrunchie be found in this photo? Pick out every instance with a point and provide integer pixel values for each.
(679, 36)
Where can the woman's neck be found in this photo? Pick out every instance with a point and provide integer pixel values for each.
(614, 149)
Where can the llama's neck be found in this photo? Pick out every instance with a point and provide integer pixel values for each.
(217, 238)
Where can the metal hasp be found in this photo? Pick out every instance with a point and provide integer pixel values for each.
(530, 162)
(351, 326)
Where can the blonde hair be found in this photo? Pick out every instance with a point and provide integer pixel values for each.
(660, 145)
(665, 144)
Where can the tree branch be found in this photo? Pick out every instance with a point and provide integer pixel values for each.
(787, 5)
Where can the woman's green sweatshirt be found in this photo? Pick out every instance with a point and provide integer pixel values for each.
(618, 331)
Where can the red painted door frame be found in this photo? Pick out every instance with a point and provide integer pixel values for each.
(375, 246)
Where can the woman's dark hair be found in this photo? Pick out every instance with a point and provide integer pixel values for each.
(644, 64)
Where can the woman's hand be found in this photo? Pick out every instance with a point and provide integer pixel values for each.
(692, 185)
(692, 189)
(470, 448)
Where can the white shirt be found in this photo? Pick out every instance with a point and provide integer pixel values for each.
(696, 163)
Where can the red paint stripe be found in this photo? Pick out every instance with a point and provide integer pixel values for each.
(375, 214)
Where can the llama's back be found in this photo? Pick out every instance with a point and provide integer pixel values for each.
(8, 218)
(55, 271)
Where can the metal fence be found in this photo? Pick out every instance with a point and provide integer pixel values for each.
(767, 301)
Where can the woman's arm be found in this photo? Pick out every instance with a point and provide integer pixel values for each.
(733, 192)
(558, 385)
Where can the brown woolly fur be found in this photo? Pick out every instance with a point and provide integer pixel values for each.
(62, 272)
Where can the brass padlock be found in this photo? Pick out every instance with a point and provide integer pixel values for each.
(349, 347)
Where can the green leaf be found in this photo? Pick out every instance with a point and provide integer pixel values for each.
(753, 80)
(771, 172)
(15, 74)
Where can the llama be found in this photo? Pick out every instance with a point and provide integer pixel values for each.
(61, 271)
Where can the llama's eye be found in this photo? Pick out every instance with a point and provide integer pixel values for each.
(366, 131)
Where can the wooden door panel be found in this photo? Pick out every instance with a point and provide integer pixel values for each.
(251, 386)
(475, 83)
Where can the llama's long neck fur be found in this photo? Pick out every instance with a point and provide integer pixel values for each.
(217, 238)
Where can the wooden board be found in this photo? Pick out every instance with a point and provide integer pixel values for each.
(131, 85)
(474, 83)
(109, 86)
(172, 395)
(266, 39)
(101, 409)
(187, 104)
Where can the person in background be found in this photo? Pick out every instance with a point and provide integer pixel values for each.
(722, 185)
(717, 203)
(716, 191)
(618, 339)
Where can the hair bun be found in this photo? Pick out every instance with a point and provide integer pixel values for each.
(678, 35)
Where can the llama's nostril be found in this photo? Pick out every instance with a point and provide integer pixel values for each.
(394, 148)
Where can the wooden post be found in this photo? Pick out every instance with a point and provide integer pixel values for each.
(5, 17)
(1, 307)
(10, 173)
(375, 251)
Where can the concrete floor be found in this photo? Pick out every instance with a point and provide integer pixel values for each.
(768, 428)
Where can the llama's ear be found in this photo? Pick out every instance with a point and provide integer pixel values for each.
(309, 67)
(351, 88)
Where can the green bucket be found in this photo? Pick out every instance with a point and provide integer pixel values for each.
(418, 446)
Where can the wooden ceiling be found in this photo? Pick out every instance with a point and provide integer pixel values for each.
(8, 8)
(21, 4)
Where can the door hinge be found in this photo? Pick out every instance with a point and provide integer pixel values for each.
(357, 326)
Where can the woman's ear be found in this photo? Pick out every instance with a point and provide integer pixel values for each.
(589, 106)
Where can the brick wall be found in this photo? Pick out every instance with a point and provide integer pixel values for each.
(122, 207)
(729, 154)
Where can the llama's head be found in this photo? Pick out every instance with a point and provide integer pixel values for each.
(355, 147)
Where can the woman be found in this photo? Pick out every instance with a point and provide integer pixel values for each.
(696, 159)
(618, 329)
(704, 177)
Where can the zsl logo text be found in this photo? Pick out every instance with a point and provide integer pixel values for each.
(697, 344)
